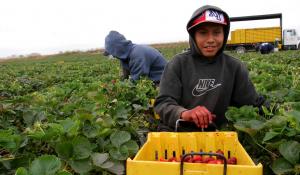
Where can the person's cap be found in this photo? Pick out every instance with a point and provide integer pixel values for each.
(209, 16)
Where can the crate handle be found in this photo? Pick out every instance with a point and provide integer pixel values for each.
(177, 124)
(201, 154)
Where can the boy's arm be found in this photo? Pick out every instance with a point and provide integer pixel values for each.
(167, 103)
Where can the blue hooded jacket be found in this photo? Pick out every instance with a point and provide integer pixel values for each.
(140, 60)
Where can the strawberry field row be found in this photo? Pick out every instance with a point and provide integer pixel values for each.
(71, 114)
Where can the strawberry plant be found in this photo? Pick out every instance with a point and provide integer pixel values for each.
(72, 114)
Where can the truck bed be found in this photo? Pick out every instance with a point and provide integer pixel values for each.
(255, 35)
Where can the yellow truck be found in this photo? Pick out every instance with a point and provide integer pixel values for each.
(251, 38)
(242, 40)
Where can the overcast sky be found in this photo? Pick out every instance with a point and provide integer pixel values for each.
(50, 26)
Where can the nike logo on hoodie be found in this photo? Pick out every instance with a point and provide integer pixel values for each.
(203, 86)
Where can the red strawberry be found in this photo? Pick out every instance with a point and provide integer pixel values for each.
(163, 160)
(188, 159)
(172, 159)
(212, 162)
(232, 160)
(207, 159)
(197, 159)
(219, 161)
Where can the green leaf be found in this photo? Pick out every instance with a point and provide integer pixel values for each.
(64, 150)
(81, 166)
(119, 137)
(105, 132)
(117, 169)
(70, 127)
(90, 130)
(294, 119)
(107, 164)
(266, 111)
(290, 132)
(243, 113)
(281, 166)
(132, 147)
(103, 143)
(251, 127)
(270, 135)
(99, 159)
(8, 140)
(107, 121)
(21, 171)
(276, 122)
(33, 115)
(119, 154)
(64, 173)
(294, 114)
(45, 165)
(121, 113)
(37, 135)
(290, 151)
(82, 148)
(122, 121)
(53, 131)
(83, 114)
(97, 96)
(29, 117)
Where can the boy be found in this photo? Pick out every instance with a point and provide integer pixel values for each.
(199, 85)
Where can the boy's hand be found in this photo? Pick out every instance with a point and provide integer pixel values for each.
(201, 116)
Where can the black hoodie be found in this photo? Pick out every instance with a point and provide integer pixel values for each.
(190, 80)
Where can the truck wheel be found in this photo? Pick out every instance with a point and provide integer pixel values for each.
(240, 49)
(298, 46)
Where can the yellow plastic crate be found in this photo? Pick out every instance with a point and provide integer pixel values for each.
(166, 144)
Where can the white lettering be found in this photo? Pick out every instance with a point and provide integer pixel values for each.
(203, 86)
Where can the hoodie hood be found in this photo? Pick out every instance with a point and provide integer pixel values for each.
(117, 45)
(193, 46)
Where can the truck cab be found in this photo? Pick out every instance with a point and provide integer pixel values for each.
(290, 39)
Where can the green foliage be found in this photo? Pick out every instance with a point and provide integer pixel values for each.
(73, 107)
(273, 137)
(45, 165)
(72, 114)
(277, 136)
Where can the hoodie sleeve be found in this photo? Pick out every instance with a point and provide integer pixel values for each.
(170, 91)
(244, 91)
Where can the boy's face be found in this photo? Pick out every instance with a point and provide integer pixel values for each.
(209, 38)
